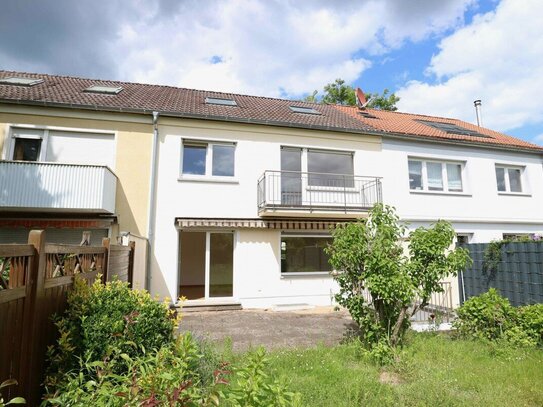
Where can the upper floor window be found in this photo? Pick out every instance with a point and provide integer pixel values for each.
(509, 179)
(26, 145)
(330, 168)
(208, 159)
(426, 175)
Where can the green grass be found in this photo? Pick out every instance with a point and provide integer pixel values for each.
(433, 370)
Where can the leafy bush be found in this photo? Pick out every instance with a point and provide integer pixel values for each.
(106, 317)
(491, 317)
(486, 316)
(530, 318)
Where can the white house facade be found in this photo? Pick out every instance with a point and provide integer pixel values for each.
(236, 194)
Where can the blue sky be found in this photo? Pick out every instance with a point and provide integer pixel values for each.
(438, 56)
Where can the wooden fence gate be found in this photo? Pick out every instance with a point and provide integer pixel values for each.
(34, 281)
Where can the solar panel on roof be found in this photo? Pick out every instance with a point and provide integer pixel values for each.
(451, 128)
(220, 101)
(302, 109)
(15, 80)
(106, 90)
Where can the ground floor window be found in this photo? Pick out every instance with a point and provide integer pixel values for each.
(304, 253)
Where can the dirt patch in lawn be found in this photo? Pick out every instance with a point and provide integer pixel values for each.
(390, 378)
(271, 329)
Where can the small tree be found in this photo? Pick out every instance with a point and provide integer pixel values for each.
(383, 101)
(381, 286)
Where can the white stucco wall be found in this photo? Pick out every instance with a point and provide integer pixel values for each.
(480, 211)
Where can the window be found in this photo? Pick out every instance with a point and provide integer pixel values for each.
(208, 159)
(451, 128)
(304, 254)
(330, 168)
(220, 101)
(105, 90)
(14, 80)
(26, 145)
(463, 238)
(304, 110)
(435, 176)
(509, 179)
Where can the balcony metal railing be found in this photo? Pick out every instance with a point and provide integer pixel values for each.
(292, 190)
(33, 186)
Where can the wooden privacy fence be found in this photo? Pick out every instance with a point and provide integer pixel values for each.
(34, 281)
(517, 272)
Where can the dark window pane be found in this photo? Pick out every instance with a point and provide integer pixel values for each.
(291, 182)
(500, 178)
(514, 180)
(415, 175)
(194, 159)
(223, 160)
(221, 261)
(330, 169)
(304, 254)
(27, 149)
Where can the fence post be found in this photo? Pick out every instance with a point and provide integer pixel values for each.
(132, 246)
(105, 266)
(34, 363)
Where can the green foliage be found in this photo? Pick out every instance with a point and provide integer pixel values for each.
(493, 255)
(108, 316)
(486, 316)
(379, 285)
(15, 400)
(383, 101)
(530, 319)
(490, 316)
(337, 93)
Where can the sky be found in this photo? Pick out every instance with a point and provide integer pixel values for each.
(437, 56)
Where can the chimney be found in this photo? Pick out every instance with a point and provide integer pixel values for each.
(360, 98)
(477, 104)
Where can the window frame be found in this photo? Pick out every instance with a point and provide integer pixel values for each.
(208, 176)
(444, 176)
(506, 168)
(302, 273)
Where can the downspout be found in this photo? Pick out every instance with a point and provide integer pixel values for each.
(152, 202)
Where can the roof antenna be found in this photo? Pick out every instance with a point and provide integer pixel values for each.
(477, 104)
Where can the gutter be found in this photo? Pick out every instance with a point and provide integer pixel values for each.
(401, 136)
(151, 215)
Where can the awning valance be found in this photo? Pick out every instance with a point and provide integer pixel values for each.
(281, 224)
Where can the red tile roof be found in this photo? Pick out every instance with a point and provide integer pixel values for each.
(411, 125)
(65, 91)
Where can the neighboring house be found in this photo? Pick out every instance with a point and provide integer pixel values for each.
(237, 193)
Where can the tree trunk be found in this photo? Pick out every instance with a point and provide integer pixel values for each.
(395, 337)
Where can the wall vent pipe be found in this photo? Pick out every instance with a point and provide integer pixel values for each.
(477, 104)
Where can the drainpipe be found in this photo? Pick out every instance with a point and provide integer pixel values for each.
(152, 199)
(477, 104)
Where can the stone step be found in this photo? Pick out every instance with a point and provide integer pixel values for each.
(209, 305)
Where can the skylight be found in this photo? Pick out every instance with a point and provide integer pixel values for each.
(305, 110)
(367, 115)
(105, 90)
(450, 128)
(15, 80)
(220, 101)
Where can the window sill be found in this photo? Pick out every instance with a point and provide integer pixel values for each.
(330, 189)
(514, 194)
(306, 274)
(412, 191)
(217, 180)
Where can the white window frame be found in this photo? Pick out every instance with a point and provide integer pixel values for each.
(506, 168)
(302, 273)
(10, 144)
(208, 176)
(444, 176)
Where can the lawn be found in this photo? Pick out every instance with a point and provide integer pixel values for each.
(434, 370)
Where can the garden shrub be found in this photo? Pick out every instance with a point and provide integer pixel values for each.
(485, 316)
(491, 317)
(102, 317)
(530, 318)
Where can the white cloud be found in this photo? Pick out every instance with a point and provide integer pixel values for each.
(497, 58)
(275, 48)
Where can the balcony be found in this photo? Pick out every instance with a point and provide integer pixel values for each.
(288, 193)
(53, 187)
